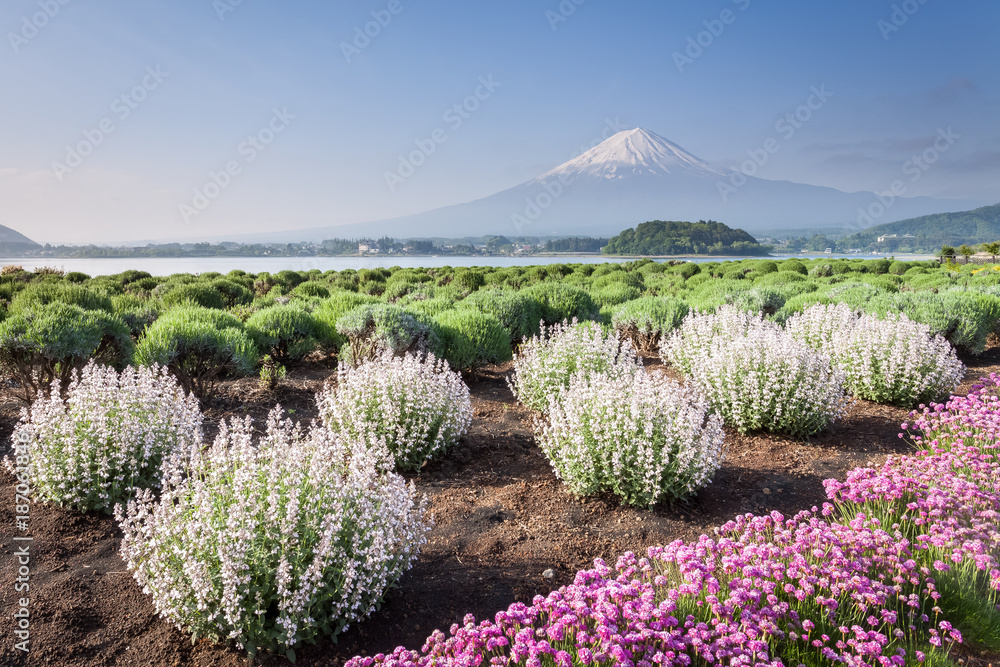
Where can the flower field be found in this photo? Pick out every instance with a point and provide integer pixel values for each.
(739, 493)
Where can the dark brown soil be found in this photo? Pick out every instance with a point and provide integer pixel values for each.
(501, 520)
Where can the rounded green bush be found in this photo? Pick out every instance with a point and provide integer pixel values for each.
(561, 302)
(372, 330)
(286, 332)
(312, 288)
(518, 313)
(42, 345)
(199, 294)
(646, 320)
(77, 277)
(471, 339)
(199, 345)
(233, 293)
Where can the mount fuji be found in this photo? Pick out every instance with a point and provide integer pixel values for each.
(632, 177)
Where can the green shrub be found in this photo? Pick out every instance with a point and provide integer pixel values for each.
(327, 313)
(615, 294)
(77, 277)
(40, 294)
(468, 280)
(233, 293)
(372, 330)
(561, 303)
(518, 313)
(136, 312)
(471, 339)
(42, 345)
(645, 321)
(200, 346)
(617, 278)
(289, 279)
(899, 268)
(284, 332)
(199, 294)
(687, 270)
(312, 288)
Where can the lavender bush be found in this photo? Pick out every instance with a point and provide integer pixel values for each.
(415, 407)
(109, 436)
(545, 363)
(272, 544)
(891, 360)
(642, 437)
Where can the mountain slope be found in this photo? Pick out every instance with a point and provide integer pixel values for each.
(981, 225)
(12, 242)
(633, 176)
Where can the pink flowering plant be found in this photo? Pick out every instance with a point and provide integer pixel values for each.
(545, 363)
(109, 436)
(886, 360)
(273, 543)
(411, 407)
(644, 438)
(898, 568)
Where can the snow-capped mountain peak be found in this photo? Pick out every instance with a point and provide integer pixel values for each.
(633, 152)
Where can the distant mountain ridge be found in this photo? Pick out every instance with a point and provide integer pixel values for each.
(13, 242)
(634, 175)
(930, 232)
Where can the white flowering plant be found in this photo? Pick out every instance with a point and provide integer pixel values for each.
(109, 436)
(768, 381)
(886, 360)
(644, 438)
(545, 363)
(415, 407)
(274, 543)
(700, 331)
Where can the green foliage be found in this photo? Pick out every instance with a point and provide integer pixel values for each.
(614, 294)
(372, 330)
(41, 345)
(469, 280)
(200, 346)
(312, 288)
(518, 313)
(331, 310)
(682, 238)
(199, 294)
(561, 302)
(233, 293)
(471, 339)
(285, 333)
(136, 312)
(40, 294)
(646, 320)
(77, 277)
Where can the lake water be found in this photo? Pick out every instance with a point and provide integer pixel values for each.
(164, 266)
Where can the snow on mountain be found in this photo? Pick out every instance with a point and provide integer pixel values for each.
(634, 152)
(631, 177)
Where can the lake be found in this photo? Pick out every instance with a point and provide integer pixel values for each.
(164, 266)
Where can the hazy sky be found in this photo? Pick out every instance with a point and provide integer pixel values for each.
(287, 115)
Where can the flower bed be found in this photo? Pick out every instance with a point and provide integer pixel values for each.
(891, 573)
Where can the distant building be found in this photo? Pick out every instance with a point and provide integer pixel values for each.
(363, 248)
(883, 239)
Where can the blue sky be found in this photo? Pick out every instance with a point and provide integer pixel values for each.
(200, 77)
